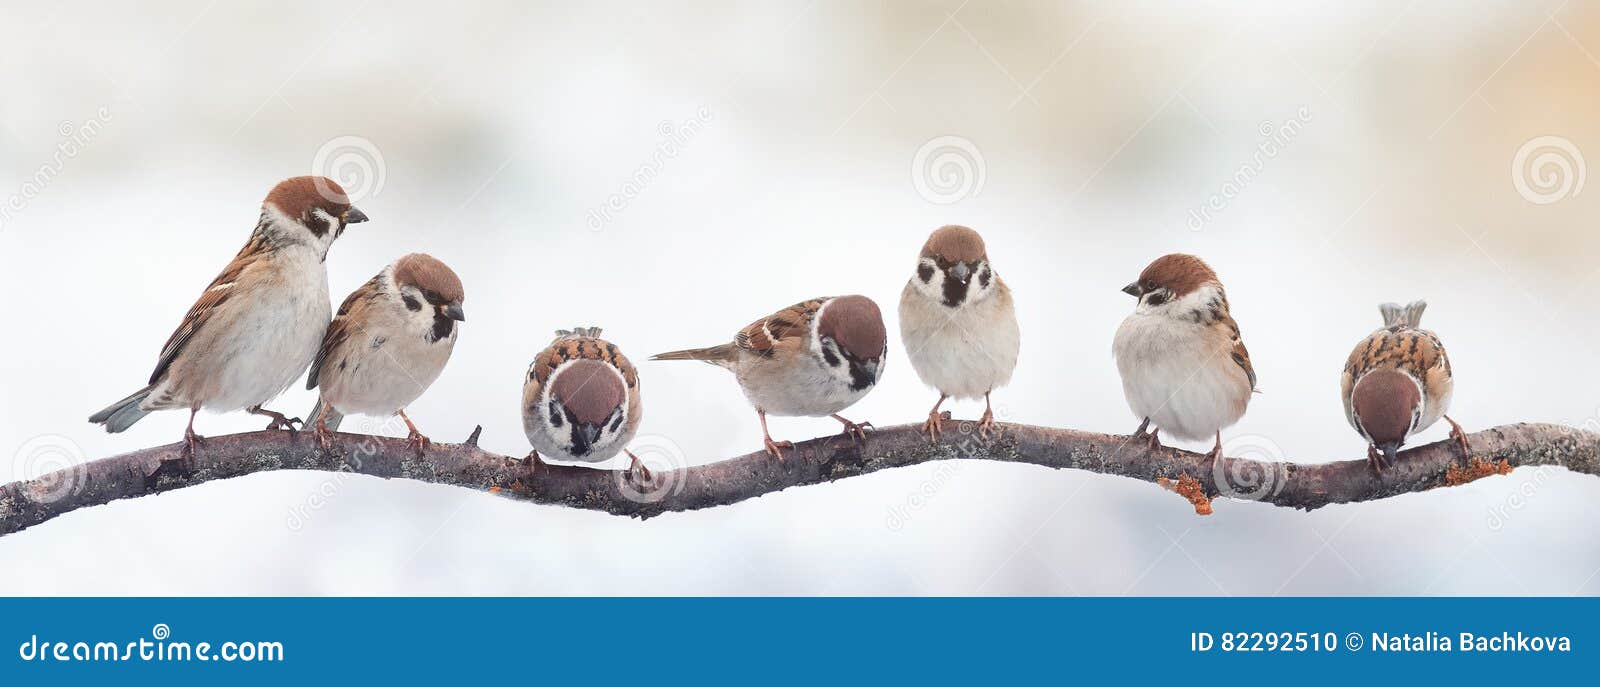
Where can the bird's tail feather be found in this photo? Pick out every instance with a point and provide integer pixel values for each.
(328, 413)
(121, 415)
(1409, 315)
(716, 355)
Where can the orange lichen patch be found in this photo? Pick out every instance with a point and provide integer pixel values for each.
(1189, 488)
(516, 487)
(1476, 469)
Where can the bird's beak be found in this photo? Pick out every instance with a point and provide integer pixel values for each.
(1389, 451)
(454, 312)
(354, 216)
(960, 271)
(1133, 290)
(583, 437)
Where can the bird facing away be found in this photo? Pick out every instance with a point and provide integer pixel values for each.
(388, 343)
(581, 401)
(1183, 365)
(958, 323)
(812, 358)
(1396, 383)
(258, 325)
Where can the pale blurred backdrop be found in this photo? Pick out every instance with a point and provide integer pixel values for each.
(670, 171)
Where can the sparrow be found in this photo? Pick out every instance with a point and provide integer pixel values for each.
(813, 358)
(958, 323)
(258, 325)
(581, 401)
(1396, 383)
(387, 345)
(1183, 365)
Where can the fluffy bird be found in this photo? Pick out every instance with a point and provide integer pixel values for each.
(1183, 365)
(812, 358)
(1396, 383)
(958, 323)
(581, 401)
(258, 325)
(388, 343)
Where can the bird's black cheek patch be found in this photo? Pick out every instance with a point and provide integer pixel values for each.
(829, 357)
(616, 423)
(555, 415)
(442, 327)
(412, 304)
(925, 273)
(860, 378)
(983, 277)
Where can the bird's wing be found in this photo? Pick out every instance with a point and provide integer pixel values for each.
(1358, 364)
(780, 331)
(345, 327)
(1240, 354)
(217, 294)
(576, 346)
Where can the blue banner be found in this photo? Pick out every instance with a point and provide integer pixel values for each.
(793, 641)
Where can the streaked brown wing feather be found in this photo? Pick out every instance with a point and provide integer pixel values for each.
(582, 347)
(213, 298)
(787, 325)
(343, 328)
(1240, 354)
(1418, 352)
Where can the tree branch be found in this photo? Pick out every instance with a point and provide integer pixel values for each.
(1306, 486)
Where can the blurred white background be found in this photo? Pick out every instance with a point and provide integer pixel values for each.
(524, 144)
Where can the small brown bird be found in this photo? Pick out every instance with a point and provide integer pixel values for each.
(812, 359)
(958, 323)
(1183, 364)
(1396, 383)
(581, 401)
(258, 325)
(389, 342)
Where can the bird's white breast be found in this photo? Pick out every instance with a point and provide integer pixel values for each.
(1180, 374)
(963, 352)
(267, 337)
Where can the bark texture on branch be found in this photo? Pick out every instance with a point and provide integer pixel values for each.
(1296, 485)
